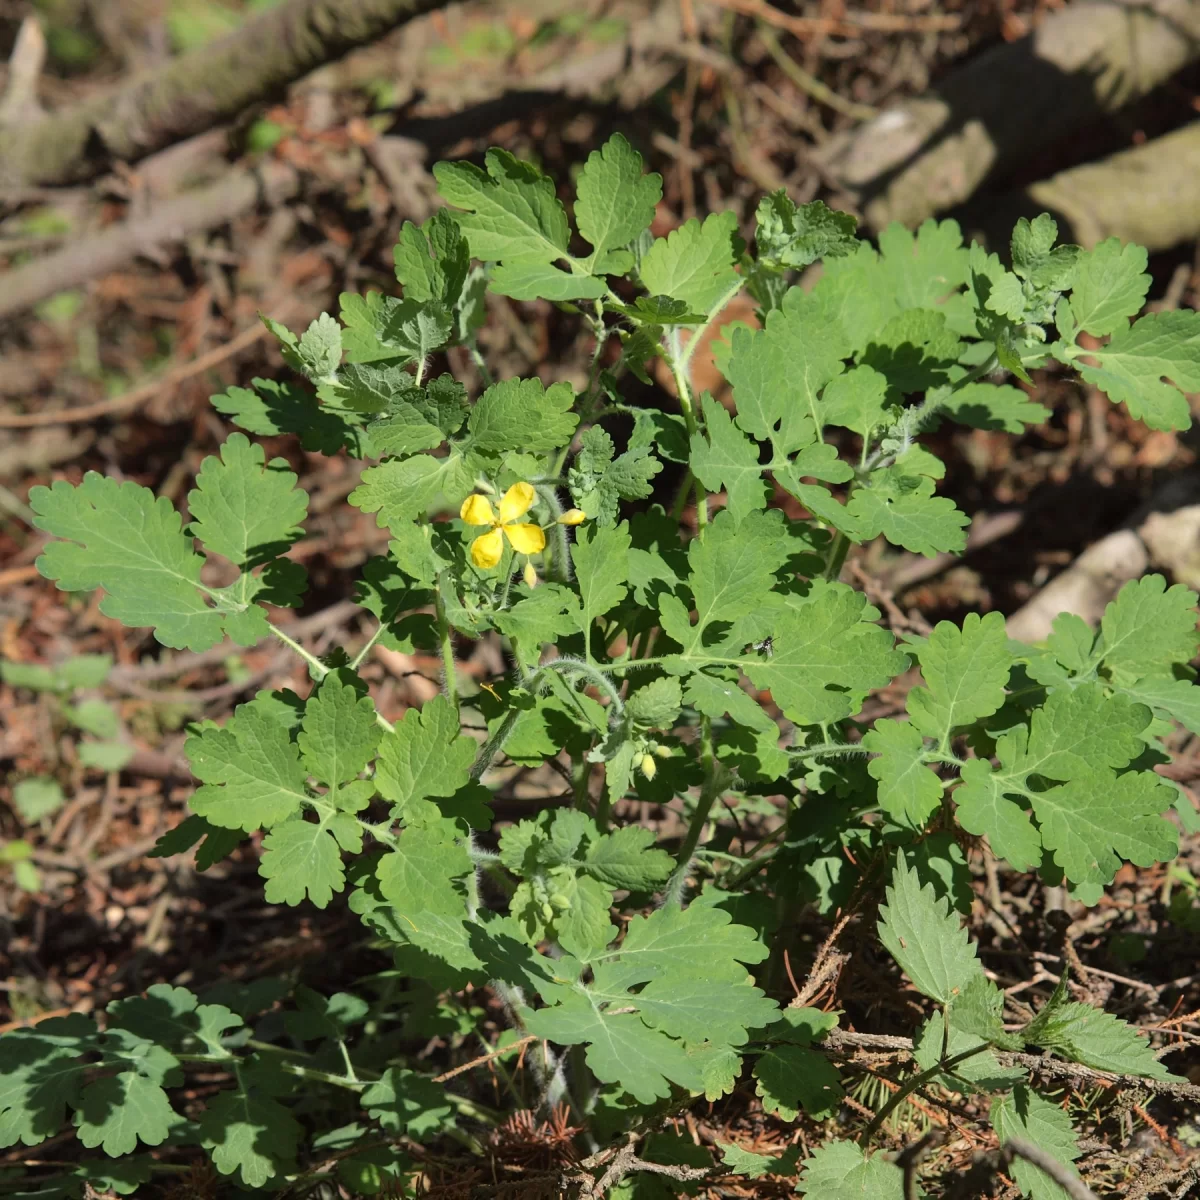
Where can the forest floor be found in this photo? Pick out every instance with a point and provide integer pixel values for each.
(99, 378)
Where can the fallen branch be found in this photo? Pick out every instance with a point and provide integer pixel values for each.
(141, 393)
(197, 90)
(238, 192)
(1067, 1180)
(846, 1042)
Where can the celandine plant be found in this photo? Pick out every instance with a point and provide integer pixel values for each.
(626, 970)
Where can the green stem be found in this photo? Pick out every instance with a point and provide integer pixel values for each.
(480, 365)
(357, 661)
(827, 750)
(713, 314)
(445, 637)
(715, 779)
(319, 670)
(912, 1084)
(689, 417)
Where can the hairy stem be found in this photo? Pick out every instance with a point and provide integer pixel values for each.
(446, 639)
(715, 779)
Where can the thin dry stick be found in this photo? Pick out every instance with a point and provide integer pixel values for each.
(846, 25)
(142, 393)
(1067, 1180)
(909, 1159)
(485, 1058)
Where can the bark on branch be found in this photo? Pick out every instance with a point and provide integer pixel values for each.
(197, 90)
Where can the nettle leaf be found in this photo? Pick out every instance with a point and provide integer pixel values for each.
(521, 414)
(244, 508)
(614, 203)
(1138, 361)
(926, 937)
(1024, 1114)
(844, 1171)
(694, 263)
(1085, 1034)
(119, 537)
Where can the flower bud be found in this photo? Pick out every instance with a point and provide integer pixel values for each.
(573, 516)
(663, 751)
(529, 575)
(649, 766)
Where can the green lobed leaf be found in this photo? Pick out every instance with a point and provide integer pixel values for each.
(521, 414)
(1147, 629)
(966, 671)
(723, 458)
(694, 263)
(427, 755)
(1024, 1114)
(843, 1171)
(339, 734)
(791, 1078)
(615, 202)
(601, 558)
(1149, 365)
(248, 1132)
(119, 537)
(250, 770)
(244, 508)
(511, 210)
(1110, 287)
(909, 790)
(825, 657)
(795, 236)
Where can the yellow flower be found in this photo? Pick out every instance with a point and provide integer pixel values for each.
(573, 516)
(487, 549)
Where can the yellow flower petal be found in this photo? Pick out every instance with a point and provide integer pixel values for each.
(516, 502)
(573, 516)
(526, 539)
(477, 510)
(487, 549)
